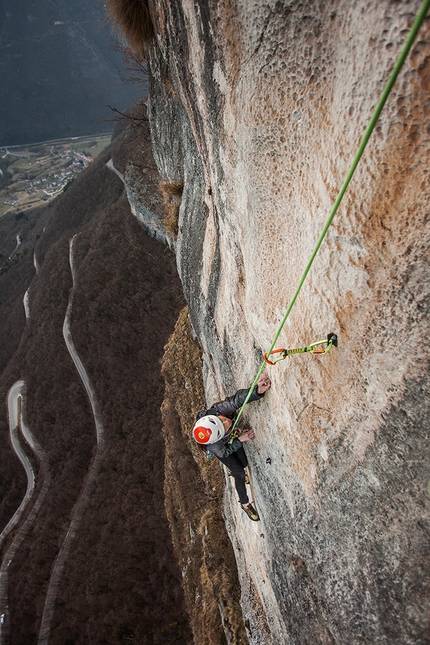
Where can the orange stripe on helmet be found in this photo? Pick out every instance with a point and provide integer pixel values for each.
(201, 434)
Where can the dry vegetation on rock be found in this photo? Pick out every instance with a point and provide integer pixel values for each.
(172, 194)
(133, 19)
(194, 490)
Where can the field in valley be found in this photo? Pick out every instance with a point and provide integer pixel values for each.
(33, 175)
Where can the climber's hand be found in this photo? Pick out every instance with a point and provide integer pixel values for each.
(263, 383)
(247, 435)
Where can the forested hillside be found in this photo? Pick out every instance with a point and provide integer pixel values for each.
(120, 581)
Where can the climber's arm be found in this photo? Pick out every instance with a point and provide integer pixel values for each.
(231, 404)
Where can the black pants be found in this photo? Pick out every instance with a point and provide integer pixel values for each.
(237, 461)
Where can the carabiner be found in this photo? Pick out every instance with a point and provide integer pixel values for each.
(276, 360)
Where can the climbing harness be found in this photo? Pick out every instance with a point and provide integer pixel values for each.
(314, 348)
(372, 123)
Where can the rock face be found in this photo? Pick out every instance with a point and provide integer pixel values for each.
(258, 108)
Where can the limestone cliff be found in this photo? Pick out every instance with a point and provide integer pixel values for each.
(258, 109)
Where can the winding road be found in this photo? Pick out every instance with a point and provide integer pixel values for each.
(16, 411)
(14, 405)
(17, 425)
(117, 172)
(84, 498)
(18, 244)
(26, 303)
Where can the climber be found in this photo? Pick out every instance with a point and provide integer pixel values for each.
(213, 429)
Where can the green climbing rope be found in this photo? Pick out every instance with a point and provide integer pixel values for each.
(392, 79)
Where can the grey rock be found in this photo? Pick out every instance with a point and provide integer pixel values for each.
(258, 108)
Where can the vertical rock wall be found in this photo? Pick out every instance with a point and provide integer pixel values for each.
(258, 108)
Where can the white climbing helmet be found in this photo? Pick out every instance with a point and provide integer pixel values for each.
(208, 429)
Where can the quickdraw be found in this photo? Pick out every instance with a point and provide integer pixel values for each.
(236, 432)
(314, 348)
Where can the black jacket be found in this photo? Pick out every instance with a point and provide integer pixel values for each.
(228, 408)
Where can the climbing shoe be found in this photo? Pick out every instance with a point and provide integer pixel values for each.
(251, 512)
(230, 474)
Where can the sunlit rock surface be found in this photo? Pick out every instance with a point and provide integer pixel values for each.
(258, 108)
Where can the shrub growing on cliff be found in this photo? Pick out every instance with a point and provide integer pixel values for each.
(133, 19)
(172, 194)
